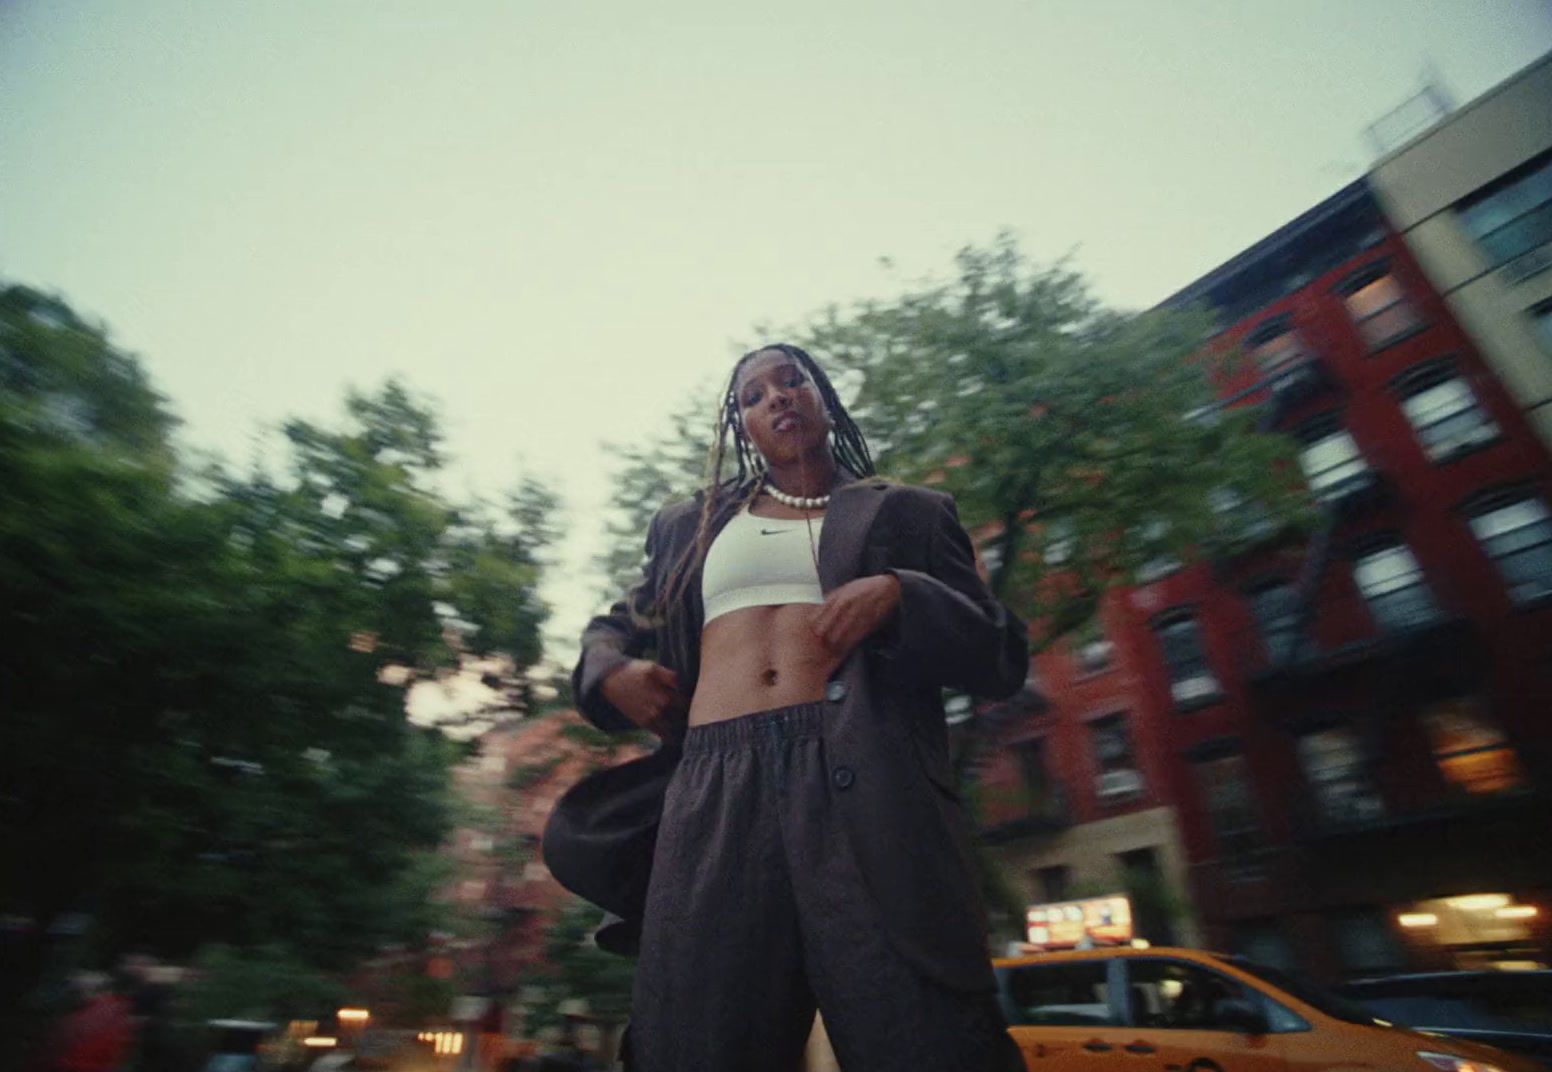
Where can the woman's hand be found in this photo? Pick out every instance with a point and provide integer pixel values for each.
(645, 692)
(855, 611)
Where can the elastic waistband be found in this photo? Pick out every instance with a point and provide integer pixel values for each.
(757, 728)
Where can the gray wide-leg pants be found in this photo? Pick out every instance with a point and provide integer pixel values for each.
(756, 914)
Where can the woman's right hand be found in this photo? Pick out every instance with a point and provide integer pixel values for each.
(645, 692)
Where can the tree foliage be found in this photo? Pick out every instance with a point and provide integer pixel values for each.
(1083, 445)
(205, 737)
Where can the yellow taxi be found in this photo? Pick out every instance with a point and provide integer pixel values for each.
(1183, 1010)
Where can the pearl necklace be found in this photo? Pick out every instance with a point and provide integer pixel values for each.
(794, 501)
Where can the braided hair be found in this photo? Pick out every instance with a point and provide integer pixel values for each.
(847, 447)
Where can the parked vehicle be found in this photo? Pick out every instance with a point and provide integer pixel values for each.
(1510, 1010)
(1184, 1009)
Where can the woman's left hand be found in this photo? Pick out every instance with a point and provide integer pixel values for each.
(856, 610)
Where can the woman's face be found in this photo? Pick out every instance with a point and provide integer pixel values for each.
(780, 407)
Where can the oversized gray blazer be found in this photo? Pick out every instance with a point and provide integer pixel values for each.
(886, 741)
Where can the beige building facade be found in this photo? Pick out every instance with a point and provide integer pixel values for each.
(1472, 196)
(1092, 858)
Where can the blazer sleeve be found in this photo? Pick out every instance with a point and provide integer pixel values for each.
(949, 628)
(613, 639)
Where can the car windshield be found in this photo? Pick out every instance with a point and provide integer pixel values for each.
(1315, 997)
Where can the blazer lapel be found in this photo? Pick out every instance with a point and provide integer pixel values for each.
(854, 504)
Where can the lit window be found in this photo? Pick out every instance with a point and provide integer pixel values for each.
(1515, 216)
(1444, 412)
(1334, 466)
(1393, 585)
(1380, 310)
(1517, 534)
(1191, 680)
(1472, 753)
(1278, 352)
(1334, 767)
(1118, 774)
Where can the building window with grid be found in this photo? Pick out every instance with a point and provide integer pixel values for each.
(1516, 532)
(1394, 587)
(1118, 778)
(1333, 465)
(1278, 618)
(1514, 216)
(1379, 308)
(1472, 753)
(1443, 410)
(1334, 766)
(1225, 785)
(1191, 680)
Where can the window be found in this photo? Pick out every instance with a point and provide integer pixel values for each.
(1338, 778)
(1059, 994)
(1040, 790)
(1191, 680)
(1278, 616)
(1471, 752)
(1238, 517)
(1380, 309)
(1516, 532)
(1225, 785)
(1332, 463)
(1278, 352)
(1514, 216)
(1176, 995)
(1058, 543)
(1054, 883)
(1393, 585)
(481, 842)
(1151, 537)
(1118, 775)
(1095, 656)
(1444, 412)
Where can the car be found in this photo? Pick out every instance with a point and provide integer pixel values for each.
(1508, 1009)
(1193, 1011)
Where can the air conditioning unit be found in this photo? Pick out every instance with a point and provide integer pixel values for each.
(1119, 783)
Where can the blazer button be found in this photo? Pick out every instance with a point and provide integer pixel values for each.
(835, 692)
(844, 777)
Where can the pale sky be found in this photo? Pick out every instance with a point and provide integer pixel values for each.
(560, 220)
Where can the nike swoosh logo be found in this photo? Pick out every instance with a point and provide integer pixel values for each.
(775, 532)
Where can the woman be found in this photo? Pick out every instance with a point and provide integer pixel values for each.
(803, 617)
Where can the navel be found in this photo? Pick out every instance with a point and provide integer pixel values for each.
(769, 677)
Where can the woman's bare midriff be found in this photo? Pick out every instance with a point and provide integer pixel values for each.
(758, 658)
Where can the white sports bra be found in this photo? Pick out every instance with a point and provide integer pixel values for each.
(760, 562)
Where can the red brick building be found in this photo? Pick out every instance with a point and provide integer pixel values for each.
(1334, 750)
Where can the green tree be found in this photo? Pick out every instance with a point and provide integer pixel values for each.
(205, 738)
(1084, 445)
(578, 969)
